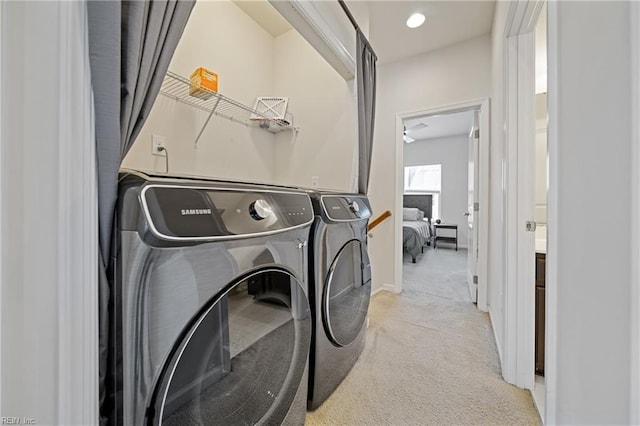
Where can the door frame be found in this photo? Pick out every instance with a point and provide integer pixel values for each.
(474, 153)
(63, 314)
(483, 221)
(519, 156)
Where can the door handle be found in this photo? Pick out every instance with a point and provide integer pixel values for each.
(467, 214)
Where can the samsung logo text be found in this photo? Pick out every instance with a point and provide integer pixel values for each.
(194, 212)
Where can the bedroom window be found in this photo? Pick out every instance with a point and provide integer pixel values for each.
(425, 179)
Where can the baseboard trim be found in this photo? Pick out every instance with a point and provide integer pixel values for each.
(385, 287)
(495, 337)
(389, 287)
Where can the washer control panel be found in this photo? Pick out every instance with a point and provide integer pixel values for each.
(345, 208)
(193, 212)
(260, 209)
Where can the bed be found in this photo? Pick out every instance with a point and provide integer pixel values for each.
(416, 223)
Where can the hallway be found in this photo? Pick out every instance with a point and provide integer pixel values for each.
(430, 358)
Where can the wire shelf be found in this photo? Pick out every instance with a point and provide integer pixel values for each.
(178, 88)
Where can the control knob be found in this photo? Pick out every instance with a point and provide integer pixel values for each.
(260, 209)
(354, 206)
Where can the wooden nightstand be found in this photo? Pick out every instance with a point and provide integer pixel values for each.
(445, 239)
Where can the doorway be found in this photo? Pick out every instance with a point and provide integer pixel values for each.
(540, 207)
(462, 221)
(439, 160)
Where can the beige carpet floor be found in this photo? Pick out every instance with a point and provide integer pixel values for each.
(430, 358)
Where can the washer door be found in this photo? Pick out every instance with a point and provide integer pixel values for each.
(345, 298)
(241, 359)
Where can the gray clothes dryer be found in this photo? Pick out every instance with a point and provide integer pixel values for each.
(210, 321)
(340, 289)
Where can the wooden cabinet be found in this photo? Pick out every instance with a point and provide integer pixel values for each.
(540, 287)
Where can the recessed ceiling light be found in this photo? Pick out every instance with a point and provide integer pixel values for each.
(415, 20)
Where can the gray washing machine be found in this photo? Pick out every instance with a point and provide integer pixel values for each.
(340, 289)
(210, 320)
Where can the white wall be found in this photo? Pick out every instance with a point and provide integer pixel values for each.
(452, 153)
(590, 145)
(323, 105)
(250, 63)
(220, 37)
(447, 76)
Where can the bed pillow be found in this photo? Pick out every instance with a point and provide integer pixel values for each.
(410, 213)
(420, 215)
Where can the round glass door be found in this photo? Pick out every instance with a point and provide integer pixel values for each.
(346, 296)
(241, 359)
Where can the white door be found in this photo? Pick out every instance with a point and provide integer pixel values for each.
(472, 210)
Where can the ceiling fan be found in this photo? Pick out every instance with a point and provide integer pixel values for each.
(406, 133)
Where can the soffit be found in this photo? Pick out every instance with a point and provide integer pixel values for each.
(265, 15)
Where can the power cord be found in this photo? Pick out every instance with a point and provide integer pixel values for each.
(166, 158)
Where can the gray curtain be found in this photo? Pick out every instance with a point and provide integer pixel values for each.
(366, 78)
(130, 47)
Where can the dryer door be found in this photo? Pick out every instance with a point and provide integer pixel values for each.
(346, 294)
(241, 359)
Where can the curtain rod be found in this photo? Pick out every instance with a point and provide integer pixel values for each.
(356, 26)
(349, 15)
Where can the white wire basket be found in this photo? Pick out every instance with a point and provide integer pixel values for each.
(273, 107)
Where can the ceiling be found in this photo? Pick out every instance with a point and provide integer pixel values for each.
(438, 126)
(448, 22)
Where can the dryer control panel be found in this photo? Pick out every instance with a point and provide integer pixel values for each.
(342, 208)
(183, 212)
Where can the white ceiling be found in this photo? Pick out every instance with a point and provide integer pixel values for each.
(439, 126)
(448, 22)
